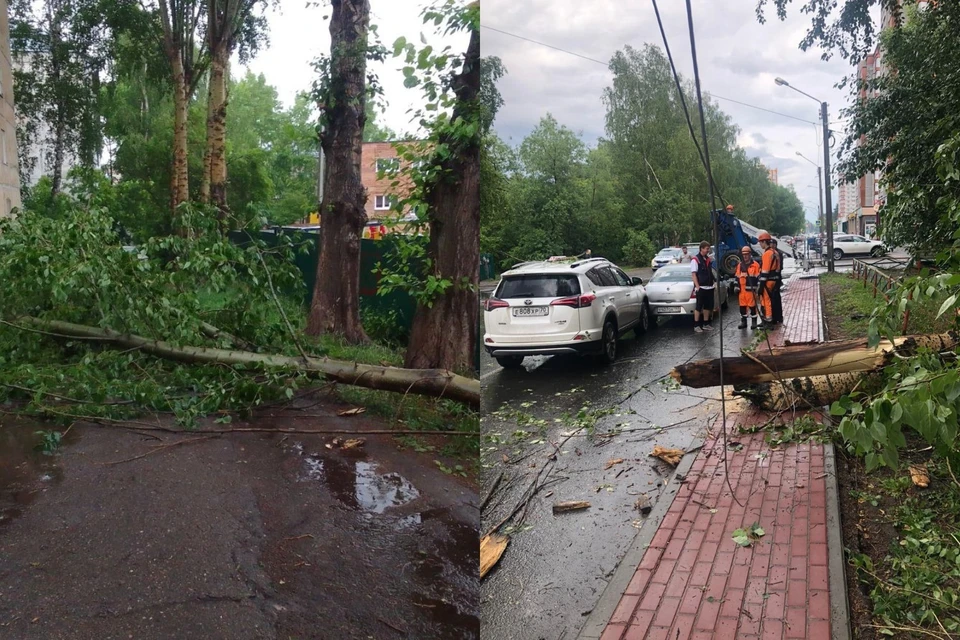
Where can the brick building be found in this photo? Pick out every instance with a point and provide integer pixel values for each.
(9, 172)
(772, 176)
(379, 169)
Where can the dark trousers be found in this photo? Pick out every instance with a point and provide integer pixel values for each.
(777, 303)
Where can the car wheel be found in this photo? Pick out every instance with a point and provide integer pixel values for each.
(838, 254)
(876, 252)
(608, 346)
(644, 325)
(510, 362)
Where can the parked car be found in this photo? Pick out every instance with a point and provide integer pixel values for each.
(848, 244)
(563, 307)
(667, 255)
(670, 291)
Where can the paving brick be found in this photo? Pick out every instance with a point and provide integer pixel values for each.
(664, 571)
(690, 603)
(666, 612)
(639, 582)
(677, 585)
(819, 629)
(818, 554)
(774, 607)
(732, 601)
(682, 627)
(723, 563)
(624, 611)
(797, 623)
(651, 597)
(772, 629)
(819, 579)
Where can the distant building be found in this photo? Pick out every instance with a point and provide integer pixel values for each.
(848, 200)
(772, 176)
(38, 155)
(9, 172)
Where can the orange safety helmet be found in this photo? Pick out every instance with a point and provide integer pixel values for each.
(746, 249)
(729, 207)
(764, 236)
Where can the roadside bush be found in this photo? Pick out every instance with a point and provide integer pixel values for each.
(639, 249)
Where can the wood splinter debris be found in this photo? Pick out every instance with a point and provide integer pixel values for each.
(492, 547)
(570, 505)
(919, 475)
(643, 504)
(670, 456)
(612, 462)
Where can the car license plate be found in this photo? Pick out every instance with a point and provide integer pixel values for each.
(668, 309)
(530, 311)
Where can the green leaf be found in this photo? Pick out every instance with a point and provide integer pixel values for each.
(741, 538)
(837, 409)
(949, 302)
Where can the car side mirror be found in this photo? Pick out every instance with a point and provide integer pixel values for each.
(636, 281)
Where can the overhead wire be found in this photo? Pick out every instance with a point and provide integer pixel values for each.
(715, 218)
(607, 64)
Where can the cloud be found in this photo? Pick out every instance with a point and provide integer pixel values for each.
(738, 58)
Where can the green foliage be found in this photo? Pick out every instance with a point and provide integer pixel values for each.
(76, 270)
(49, 442)
(639, 250)
(916, 582)
(454, 131)
(851, 30)
(911, 130)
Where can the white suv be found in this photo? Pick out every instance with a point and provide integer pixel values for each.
(563, 306)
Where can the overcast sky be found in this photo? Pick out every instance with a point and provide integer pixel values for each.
(738, 57)
(299, 34)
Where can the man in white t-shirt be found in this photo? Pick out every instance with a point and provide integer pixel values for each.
(701, 270)
(684, 254)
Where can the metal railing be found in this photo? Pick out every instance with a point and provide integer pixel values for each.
(869, 270)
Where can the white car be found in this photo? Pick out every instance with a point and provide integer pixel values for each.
(670, 291)
(667, 255)
(845, 244)
(563, 307)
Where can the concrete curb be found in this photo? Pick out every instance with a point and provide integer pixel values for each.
(610, 598)
(839, 609)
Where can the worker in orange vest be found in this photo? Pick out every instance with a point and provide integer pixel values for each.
(748, 279)
(769, 277)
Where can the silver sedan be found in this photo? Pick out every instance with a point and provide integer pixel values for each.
(670, 291)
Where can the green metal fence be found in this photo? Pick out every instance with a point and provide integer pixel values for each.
(371, 253)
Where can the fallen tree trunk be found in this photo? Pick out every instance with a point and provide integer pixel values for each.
(802, 393)
(427, 382)
(841, 356)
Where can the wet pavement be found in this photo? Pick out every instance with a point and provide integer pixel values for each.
(247, 536)
(556, 567)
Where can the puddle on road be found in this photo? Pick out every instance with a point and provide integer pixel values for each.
(358, 484)
(23, 471)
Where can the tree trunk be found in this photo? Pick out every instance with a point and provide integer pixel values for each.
(428, 382)
(205, 177)
(801, 393)
(444, 335)
(841, 356)
(335, 307)
(180, 180)
(59, 141)
(217, 131)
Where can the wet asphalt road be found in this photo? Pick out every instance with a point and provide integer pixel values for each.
(556, 567)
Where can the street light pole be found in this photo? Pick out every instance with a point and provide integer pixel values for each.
(828, 204)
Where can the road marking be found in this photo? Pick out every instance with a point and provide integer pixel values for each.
(489, 373)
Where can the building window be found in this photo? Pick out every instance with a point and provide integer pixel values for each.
(382, 203)
(3, 143)
(388, 166)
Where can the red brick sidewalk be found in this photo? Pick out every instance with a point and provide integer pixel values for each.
(801, 313)
(694, 581)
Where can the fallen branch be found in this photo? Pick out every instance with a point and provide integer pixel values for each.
(815, 391)
(428, 382)
(157, 448)
(842, 356)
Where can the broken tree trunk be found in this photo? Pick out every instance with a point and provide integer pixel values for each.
(841, 356)
(802, 393)
(427, 382)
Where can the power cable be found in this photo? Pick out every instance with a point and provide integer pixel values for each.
(607, 64)
(683, 102)
(716, 237)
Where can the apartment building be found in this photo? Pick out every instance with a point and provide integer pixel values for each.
(9, 173)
